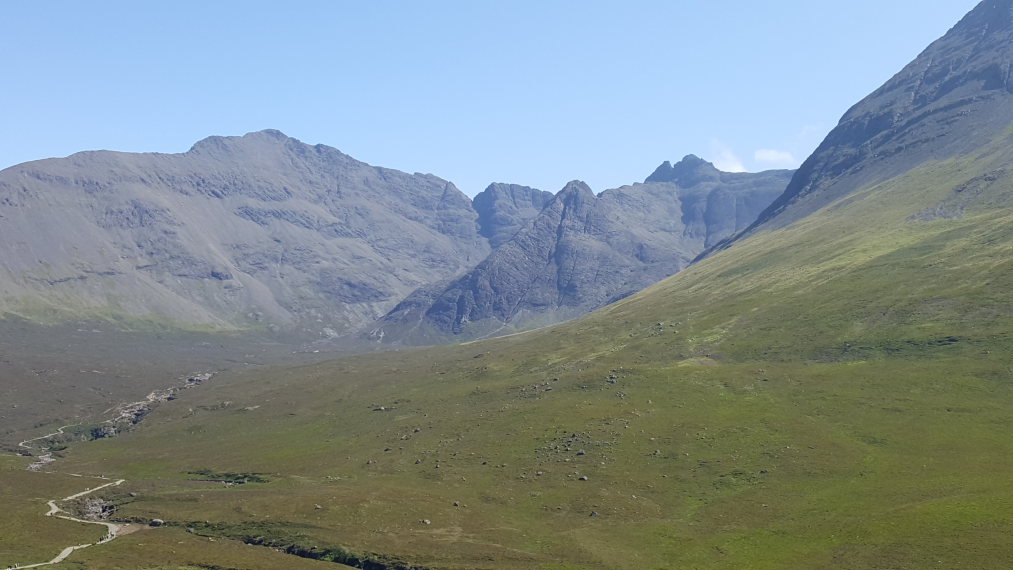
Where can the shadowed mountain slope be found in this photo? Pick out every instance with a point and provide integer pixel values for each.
(953, 97)
(584, 251)
(504, 209)
(264, 231)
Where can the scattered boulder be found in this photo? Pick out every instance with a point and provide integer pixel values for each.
(156, 522)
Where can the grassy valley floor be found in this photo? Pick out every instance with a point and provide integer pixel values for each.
(836, 394)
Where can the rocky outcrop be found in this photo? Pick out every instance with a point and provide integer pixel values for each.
(954, 97)
(504, 209)
(264, 231)
(584, 251)
(716, 204)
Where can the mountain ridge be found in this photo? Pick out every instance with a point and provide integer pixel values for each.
(264, 231)
(583, 251)
(948, 97)
(832, 391)
(204, 234)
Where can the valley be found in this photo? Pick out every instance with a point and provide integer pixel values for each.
(793, 420)
(789, 369)
(73, 373)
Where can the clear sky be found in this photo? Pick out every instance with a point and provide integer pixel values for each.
(534, 92)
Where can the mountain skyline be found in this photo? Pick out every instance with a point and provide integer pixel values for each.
(831, 387)
(597, 93)
(832, 390)
(263, 231)
(583, 251)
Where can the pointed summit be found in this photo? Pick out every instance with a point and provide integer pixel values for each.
(581, 251)
(660, 173)
(689, 171)
(186, 236)
(503, 209)
(576, 190)
(266, 138)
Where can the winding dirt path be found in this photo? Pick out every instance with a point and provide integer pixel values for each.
(45, 458)
(55, 510)
(59, 431)
(130, 412)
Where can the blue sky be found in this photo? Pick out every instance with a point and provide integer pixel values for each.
(529, 92)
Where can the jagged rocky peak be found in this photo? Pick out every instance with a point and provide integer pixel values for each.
(576, 189)
(216, 142)
(503, 209)
(271, 149)
(583, 251)
(689, 171)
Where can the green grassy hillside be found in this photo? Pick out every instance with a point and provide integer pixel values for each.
(28, 536)
(52, 376)
(834, 394)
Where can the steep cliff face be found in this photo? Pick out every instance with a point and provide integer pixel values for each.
(245, 231)
(584, 251)
(504, 209)
(954, 97)
(266, 231)
(716, 204)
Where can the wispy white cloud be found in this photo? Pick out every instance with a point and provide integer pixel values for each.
(724, 158)
(811, 131)
(774, 157)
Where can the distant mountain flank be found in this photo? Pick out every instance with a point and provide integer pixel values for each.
(583, 251)
(951, 99)
(264, 231)
(237, 232)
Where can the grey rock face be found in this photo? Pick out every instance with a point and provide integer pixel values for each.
(584, 251)
(265, 231)
(237, 231)
(952, 98)
(503, 209)
(716, 204)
